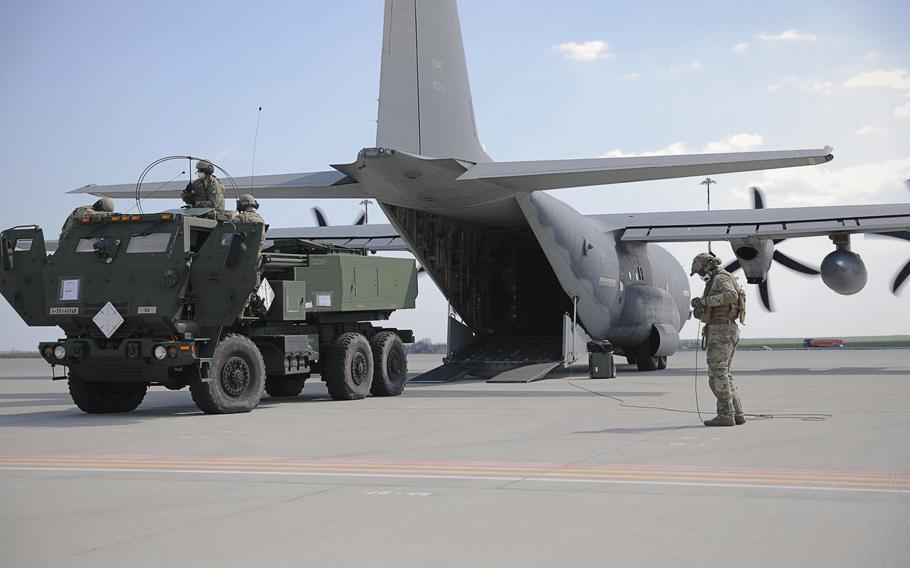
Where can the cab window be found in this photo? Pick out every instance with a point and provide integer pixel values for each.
(88, 244)
(153, 242)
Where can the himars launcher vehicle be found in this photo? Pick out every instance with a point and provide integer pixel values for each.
(528, 277)
(158, 299)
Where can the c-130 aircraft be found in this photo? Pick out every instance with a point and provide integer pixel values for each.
(530, 279)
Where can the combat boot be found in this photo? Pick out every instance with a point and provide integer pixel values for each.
(721, 420)
(738, 415)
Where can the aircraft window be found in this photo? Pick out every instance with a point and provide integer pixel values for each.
(154, 242)
(88, 244)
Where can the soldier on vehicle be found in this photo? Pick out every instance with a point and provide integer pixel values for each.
(722, 303)
(247, 213)
(205, 191)
(104, 207)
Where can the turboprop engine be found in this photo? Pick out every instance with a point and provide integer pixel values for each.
(754, 256)
(843, 270)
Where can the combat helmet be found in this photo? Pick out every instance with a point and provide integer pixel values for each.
(205, 166)
(705, 262)
(247, 200)
(104, 204)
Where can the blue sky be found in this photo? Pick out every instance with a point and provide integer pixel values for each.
(94, 91)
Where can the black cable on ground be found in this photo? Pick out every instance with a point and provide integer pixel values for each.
(798, 416)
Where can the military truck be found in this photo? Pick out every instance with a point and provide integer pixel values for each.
(181, 299)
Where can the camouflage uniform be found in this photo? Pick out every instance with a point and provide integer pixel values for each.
(246, 213)
(205, 192)
(721, 337)
(77, 215)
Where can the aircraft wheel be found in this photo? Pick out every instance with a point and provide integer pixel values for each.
(661, 363)
(237, 378)
(281, 386)
(390, 364)
(101, 398)
(644, 359)
(348, 371)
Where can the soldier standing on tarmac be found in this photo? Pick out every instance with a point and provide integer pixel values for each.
(719, 307)
(205, 191)
(104, 207)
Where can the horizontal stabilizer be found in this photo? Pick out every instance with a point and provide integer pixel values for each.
(556, 174)
(330, 184)
(782, 223)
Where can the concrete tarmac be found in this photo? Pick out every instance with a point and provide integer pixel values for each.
(551, 473)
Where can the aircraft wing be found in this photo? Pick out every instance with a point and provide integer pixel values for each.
(320, 185)
(777, 223)
(374, 237)
(555, 174)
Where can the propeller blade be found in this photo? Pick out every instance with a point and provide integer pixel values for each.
(320, 217)
(733, 266)
(361, 219)
(758, 199)
(765, 295)
(794, 264)
(905, 235)
(901, 276)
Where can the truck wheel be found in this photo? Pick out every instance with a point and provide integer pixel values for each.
(281, 386)
(100, 398)
(643, 358)
(237, 374)
(390, 364)
(661, 363)
(349, 370)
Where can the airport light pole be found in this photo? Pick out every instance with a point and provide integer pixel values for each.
(366, 210)
(707, 182)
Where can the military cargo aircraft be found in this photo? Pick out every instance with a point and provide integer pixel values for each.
(530, 279)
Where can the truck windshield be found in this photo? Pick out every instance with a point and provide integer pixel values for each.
(88, 244)
(154, 242)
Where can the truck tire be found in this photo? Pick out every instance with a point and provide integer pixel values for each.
(390, 364)
(281, 386)
(643, 358)
(237, 374)
(348, 370)
(101, 398)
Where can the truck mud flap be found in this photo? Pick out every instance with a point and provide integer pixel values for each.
(525, 373)
(446, 373)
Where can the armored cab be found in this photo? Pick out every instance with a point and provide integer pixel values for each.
(181, 299)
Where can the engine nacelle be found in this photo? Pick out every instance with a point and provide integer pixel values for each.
(844, 272)
(754, 255)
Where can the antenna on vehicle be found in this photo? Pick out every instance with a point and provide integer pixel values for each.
(255, 141)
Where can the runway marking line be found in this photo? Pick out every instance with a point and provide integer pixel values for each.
(834, 480)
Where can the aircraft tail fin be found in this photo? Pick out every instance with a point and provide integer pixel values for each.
(425, 105)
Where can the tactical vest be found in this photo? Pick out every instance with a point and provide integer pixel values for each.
(732, 310)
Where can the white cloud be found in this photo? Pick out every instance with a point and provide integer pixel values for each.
(826, 87)
(585, 51)
(742, 142)
(774, 88)
(902, 111)
(739, 47)
(871, 56)
(789, 35)
(894, 79)
(632, 76)
(693, 67)
(867, 130)
(827, 185)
